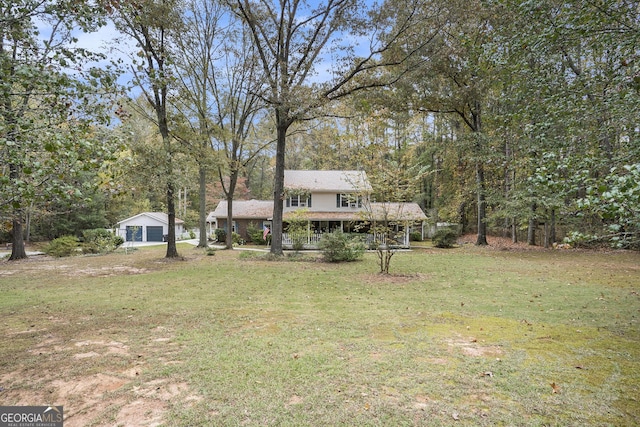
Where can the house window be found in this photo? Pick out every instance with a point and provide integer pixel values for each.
(348, 201)
(299, 202)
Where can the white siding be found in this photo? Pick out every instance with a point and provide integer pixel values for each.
(324, 202)
(143, 221)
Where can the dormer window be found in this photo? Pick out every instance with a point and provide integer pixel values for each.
(348, 201)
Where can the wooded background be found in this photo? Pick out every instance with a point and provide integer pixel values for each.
(508, 117)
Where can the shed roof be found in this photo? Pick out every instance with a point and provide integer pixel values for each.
(158, 216)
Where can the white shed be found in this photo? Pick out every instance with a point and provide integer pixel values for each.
(147, 227)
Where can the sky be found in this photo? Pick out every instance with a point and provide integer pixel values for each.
(108, 41)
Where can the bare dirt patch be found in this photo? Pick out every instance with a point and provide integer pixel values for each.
(116, 270)
(469, 346)
(393, 279)
(83, 265)
(113, 389)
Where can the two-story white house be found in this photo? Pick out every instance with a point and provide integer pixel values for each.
(329, 200)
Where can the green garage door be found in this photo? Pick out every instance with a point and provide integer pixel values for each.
(154, 233)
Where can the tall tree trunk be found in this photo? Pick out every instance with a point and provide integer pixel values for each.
(547, 229)
(172, 250)
(552, 230)
(202, 208)
(17, 247)
(229, 192)
(482, 206)
(480, 181)
(508, 222)
(28, 216)
(278, 190)
(514, 221)
(533, 224)
(229, 235)
(462, 217)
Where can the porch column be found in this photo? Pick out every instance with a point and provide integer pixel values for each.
(406, 234)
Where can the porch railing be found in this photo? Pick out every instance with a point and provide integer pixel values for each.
(311, 240)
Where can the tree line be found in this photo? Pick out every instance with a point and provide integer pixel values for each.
(504, 116)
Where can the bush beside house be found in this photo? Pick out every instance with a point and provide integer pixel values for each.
(339, 247)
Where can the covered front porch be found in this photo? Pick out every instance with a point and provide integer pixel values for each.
(312, 239)
(350, 223)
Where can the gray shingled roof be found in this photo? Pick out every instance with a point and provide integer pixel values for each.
(245, 209)
(257, 209)
(327, 181)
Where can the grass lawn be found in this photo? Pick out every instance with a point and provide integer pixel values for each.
(469, 336)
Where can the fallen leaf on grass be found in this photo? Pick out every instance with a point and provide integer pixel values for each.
(455, 416)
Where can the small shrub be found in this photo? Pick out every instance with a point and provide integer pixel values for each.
(63, 247)
(297, 243)
(298, 229)
(99, 241)
(339, 247)
(299, 235)
(221, 235)
(255, 234)
(581, 240)
(415, 236)
(118, 241)
(210, 251)
(237, 239)
(444, 238)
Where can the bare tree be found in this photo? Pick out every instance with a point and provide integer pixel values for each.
(221, 87)
(197, 48)
(150, 23)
